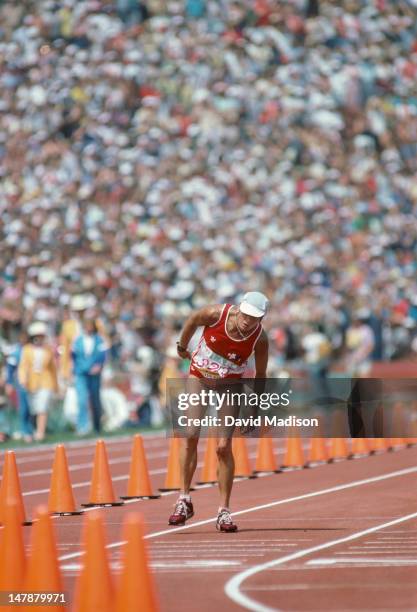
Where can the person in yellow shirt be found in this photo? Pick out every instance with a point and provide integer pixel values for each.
(38, 376)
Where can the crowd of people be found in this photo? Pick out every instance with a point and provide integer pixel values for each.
(158, 156)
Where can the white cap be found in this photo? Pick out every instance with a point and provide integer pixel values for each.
(82, 302)
(254, 304)
(78, 302)
(37, 329)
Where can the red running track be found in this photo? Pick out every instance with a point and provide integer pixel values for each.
(336, 537)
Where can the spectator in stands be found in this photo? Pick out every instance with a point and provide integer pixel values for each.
(38, 376)
(71, 328)
(15, 389)
(318, 350)
(360, 343)
(132, 12)
(88, 355)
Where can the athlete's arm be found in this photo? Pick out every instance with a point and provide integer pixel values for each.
(201, 317)
(261, 356)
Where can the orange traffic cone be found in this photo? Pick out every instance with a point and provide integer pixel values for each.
(101, 490)
(265, 459)
(139, 485)
(318, 452)
(399, 426)
(61, 498)
(94, 589)
(241, 457)
(360, 447)
(378, 445)
(397, 443)
(10, 491)
(173, 477)
(399, 420)
(340, 425)
(413, 423)
(294, 456)
(135, 589)
(209, 471)
(339, 450)
(43, 573)
(12, 552)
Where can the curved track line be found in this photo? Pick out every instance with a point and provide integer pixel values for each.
(349, 485)
(232, 587)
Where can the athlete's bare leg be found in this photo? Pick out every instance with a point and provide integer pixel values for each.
(225, 470)
(188, 452)
(188, 462)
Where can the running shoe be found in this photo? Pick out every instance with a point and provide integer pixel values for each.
(183, 511)
(224, 522)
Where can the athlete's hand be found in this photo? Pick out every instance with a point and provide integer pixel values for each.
(183, 352)
(252, 413)
(247, 429)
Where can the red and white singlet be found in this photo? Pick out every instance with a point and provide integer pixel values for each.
(220, 356)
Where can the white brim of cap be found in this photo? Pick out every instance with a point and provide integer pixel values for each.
(250, 310)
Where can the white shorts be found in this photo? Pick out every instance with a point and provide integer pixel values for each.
(40, 401)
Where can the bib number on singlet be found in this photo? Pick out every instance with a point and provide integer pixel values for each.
(211, 366)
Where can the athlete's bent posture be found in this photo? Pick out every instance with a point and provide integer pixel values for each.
(230, 335)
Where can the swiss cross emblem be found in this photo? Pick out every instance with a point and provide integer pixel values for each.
(231, 356)
(212, 339)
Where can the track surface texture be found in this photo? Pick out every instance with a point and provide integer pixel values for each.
(337, 537)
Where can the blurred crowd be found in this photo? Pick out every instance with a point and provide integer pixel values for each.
(157, 156)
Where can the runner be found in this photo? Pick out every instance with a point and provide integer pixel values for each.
(230, 335)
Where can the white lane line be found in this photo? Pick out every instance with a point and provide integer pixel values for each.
(374, 552)
(396, 540)
(236, 546)
(176, 555)
(288, 500)
(361, 561)
(391, 541)
(399, 531)
(232, 587)
(202, 563)
(189, 564)
(323, 586)
(383, 547)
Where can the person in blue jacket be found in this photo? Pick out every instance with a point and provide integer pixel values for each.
(12, 384)
(88, 355)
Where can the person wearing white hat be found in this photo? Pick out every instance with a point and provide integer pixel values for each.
(231, 334)
(38, 376)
